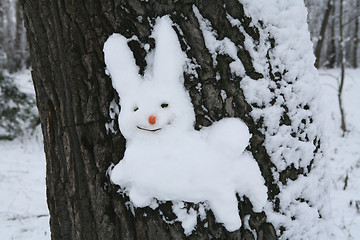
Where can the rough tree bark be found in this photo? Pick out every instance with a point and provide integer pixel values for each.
(73, 95)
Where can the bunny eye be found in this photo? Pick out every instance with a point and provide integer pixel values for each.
(135, 109)
(164, 105)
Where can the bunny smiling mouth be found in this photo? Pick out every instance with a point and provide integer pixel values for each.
(153, 130)
(149, 130)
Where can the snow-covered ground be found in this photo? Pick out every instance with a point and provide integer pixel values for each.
(23, 210)
(343, 153)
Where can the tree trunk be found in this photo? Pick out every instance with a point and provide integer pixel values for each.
(74, 93)
(18, 54)
(13, 45)
(342, 43)
(324, 24)
(1, 33)
(356, 36)
(5, 33)
(331, 53)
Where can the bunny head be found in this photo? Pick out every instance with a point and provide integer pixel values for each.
(156, 103)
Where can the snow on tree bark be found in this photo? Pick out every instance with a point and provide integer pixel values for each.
(74, 94)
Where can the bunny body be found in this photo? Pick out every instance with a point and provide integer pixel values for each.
(165, 158)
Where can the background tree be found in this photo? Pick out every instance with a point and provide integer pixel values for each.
(324, 18)
(14, 54)
(275, 99)
(321, 39)
(356, 37)
(342, 65)
(17, 109)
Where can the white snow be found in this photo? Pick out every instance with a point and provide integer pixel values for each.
(343, 153)
(292, 96)
(215, 46)
(188, 218)
(177, 163)
(289, 144)
(23, 210)
(22, 163)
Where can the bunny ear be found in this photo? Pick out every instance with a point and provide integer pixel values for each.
(169, 59)
(120, 63)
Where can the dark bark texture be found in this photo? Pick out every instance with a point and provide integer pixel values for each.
(73, 95)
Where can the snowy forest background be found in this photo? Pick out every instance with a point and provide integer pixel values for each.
(334, 29)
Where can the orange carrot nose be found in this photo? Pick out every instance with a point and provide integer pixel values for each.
(152, 119)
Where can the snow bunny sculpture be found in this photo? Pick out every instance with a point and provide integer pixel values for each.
(165, 158)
